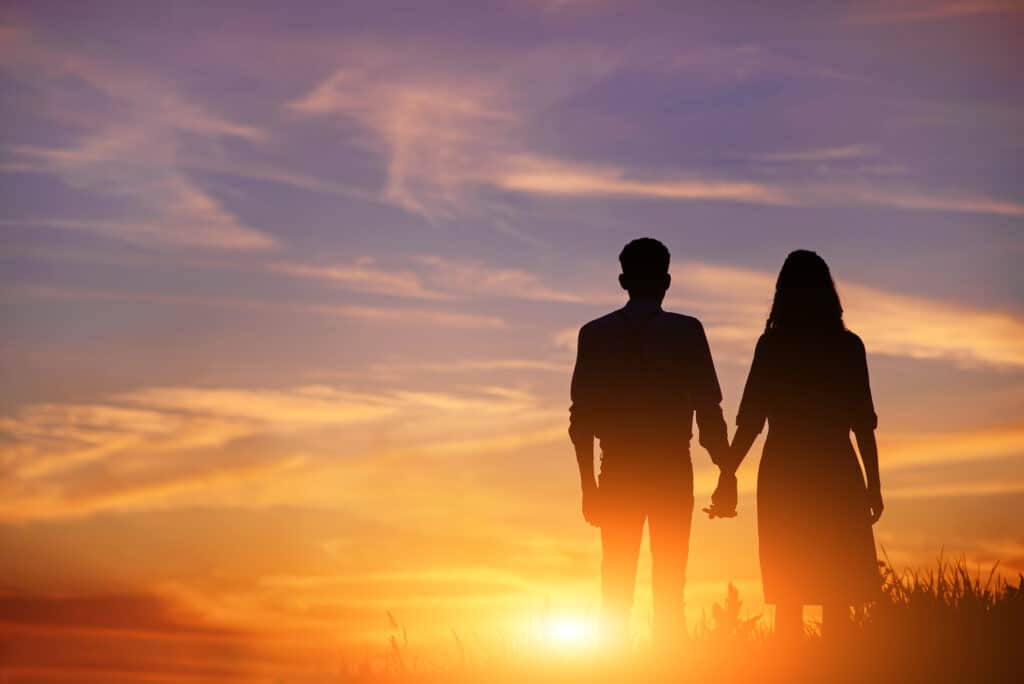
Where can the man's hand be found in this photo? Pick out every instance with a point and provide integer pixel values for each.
(724, 498)
(875, 505)
(591, 505)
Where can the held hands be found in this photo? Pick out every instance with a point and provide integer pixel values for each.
(724, 498)
(875, 505)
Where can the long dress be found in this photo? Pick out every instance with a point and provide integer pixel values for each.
(814, 533)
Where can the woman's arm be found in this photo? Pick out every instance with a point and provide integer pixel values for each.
(741, 442)
(749, 421)
(869, 454)
(863, 422)
(753, 411)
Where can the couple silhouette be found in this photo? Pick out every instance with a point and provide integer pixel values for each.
(641, 376)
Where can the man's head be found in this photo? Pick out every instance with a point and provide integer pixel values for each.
(645, 268)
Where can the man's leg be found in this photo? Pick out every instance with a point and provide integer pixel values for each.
(669, 525)
(622, 527)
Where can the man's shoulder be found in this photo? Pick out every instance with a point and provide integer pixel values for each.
(682, 321)
(612, 322)
(609, 320)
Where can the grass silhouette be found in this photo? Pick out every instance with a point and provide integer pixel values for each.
(943, 624)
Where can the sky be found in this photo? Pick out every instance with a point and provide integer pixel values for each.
(290, 294)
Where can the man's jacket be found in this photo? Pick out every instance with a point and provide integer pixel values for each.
(641, 375)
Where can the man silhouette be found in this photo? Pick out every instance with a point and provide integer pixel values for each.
(641, 374)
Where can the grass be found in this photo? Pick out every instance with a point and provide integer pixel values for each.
(943, 624)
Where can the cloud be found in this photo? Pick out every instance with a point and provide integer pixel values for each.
(546, 177)
(902, 449)
(435, 131)
(471, 366)
(993, 487)
(930, 10)
(822, 154)
(412, 317)
(303, 405)
(559, 179)
(566, 339)
(364, 276)
(128, 152)
(452, 137)
(914, 200)
(402, 316)
(125, 637)
(474, 278)
(141, 613)
(434, 277)
(445, 126)
(151, 446)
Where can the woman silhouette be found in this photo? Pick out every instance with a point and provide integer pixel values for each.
(809, 379)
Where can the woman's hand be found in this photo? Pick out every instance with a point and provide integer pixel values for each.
(875, 505)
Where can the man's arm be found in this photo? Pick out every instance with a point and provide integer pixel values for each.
(581, 429)
(707, 401)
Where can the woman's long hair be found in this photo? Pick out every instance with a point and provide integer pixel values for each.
(805, 296)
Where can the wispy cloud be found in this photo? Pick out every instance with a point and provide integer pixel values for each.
(546, 177)
(472, 366)
(435, 133)
(451, 138)
(932, 10)
(857, 151)
(363, 275)
(1001, 441)
(475, 278)
(433, 277)
(404, 316)
(150, 445)
(445, 126)
(128, 152)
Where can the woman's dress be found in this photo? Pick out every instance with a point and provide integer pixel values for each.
(814, 532)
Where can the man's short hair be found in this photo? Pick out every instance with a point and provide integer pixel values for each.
(644, 257)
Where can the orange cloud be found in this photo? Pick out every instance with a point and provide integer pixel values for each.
(557, 178)
(903, 449)
(155, 445)
(548, 177)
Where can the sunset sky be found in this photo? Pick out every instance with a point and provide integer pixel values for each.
(290, 294)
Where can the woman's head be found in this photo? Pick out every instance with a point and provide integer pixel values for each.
(805, 296)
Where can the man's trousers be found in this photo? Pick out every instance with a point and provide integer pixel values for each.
(633, 489)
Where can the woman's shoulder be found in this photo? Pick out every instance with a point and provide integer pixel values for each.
(768, 341)
(853, 341)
